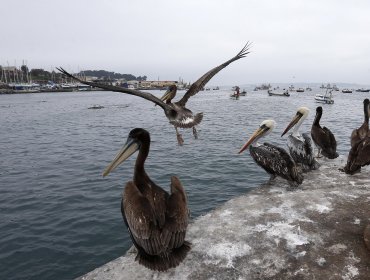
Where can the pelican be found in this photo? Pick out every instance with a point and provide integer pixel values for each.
(300, 146)
(177, 114)
(359, 154)
(360, 133)
(323, 138)
(274, 160)
(156, 220)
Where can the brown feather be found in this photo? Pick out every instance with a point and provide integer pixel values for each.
(202, 81)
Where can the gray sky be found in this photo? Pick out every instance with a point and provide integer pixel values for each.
(293, 40)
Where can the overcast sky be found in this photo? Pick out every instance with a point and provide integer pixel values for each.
(293, 41)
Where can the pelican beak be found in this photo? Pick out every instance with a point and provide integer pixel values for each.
(294, 121)
(257, 134)
(128, 149)
(166, 95)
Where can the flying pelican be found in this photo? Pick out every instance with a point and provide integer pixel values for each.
(156, 220)
(360, 133)
(177, 114)
(359, 154)
(275, 160)
(323, 137)
(300, 146)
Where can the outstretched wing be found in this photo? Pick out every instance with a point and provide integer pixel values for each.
(142, 94)
(202, 81)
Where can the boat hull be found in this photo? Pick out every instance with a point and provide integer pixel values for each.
(323, 99)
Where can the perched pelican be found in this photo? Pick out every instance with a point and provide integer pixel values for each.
(300, 146)
(359, 155)
(323, 137)
(360, 133)
(177, 114)
(156, 220)
(276, 161)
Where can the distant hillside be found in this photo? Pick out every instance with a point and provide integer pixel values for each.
(112, 75)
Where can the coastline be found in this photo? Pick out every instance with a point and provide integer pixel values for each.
(275, 233)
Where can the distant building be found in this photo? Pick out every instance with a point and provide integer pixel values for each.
(156, 84)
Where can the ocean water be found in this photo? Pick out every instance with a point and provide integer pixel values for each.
(60, 218)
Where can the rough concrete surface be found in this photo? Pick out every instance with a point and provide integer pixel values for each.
(316, 231)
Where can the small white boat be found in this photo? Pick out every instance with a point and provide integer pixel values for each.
(274, 93)
(326, 98)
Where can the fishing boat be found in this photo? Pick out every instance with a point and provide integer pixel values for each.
(234, 96)
(335, 87)
(284, 93)
(326, 98)
(236, 92)
(362, 90)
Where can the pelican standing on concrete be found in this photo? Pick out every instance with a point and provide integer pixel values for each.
(323, 138)
(177, 114)
(359, 155)
(360, 133)
(274, 160)
(300, 146)
(156, 220)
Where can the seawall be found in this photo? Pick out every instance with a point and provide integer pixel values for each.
(313, 232)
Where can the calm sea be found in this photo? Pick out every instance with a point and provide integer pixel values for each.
(60, 218)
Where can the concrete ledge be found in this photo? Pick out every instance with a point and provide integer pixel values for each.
(314, 232)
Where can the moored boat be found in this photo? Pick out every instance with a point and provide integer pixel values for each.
(363, 90)
(274, 93)
(326, 98)
(346, 90)
(25, 88)
(234, 96)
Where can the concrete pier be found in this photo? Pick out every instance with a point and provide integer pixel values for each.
(313, 232)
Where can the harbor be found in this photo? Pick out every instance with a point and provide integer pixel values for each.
(51, 146)
(190, 140)
(14, 80)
